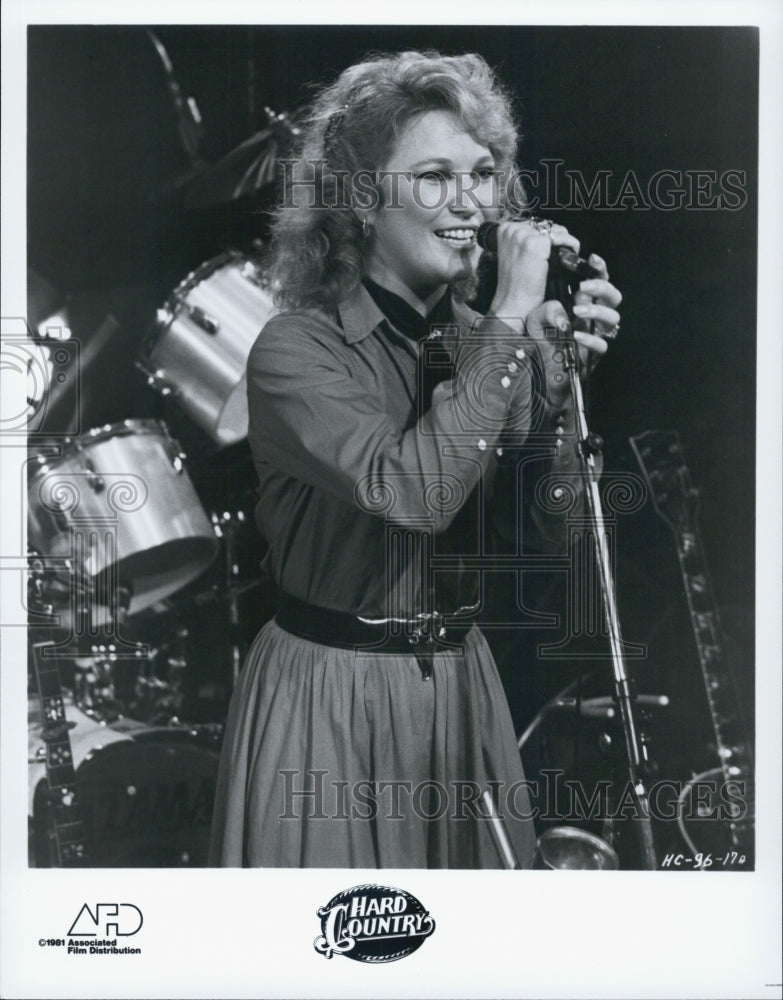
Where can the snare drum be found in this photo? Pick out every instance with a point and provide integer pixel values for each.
(197, 351)
(118, 506)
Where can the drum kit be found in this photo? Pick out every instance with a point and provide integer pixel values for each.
(144, 564)
(120, 545)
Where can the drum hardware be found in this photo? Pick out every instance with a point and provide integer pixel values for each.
(109, 686)
(561, 699)
(98, 688)
(66, 602)
(219, 592)
(564, 848)
(225, 527)
(60, 598)
(246, 170)
(571, 847)
(158, 700)
(157, 380)
(37, 596)
(594, 710)
(201, 318)
(603, 706)
(96, 483)
(94, 685)
(502, 841)
(196, 351)
(90, 803)
(186, 109)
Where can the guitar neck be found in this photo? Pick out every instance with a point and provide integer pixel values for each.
(66, 826)
(659, 454)
(733, 749)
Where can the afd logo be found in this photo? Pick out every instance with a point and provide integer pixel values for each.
(122, 919)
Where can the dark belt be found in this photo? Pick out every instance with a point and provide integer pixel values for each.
(421, 637)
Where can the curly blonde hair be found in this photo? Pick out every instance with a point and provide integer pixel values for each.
(317, 255)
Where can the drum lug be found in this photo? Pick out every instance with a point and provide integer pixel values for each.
(251, 272)
(97, 483)
(176, 455)
(158, 381)
(201, 318)
(94, 479)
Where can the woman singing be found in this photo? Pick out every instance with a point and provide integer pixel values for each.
(396, 432)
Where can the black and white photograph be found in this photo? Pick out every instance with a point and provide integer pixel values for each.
(391, 509)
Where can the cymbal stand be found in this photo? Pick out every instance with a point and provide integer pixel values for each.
(225, 528)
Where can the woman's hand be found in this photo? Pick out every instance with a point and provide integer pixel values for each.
(596, 322)
(595, 309)
(523, 262)
(523, 252)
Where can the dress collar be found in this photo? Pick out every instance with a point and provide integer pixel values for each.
(360, 314)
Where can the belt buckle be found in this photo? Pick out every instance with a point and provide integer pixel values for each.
(428, 628)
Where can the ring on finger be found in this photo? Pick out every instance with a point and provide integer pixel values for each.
(543, 226)
(612, 333)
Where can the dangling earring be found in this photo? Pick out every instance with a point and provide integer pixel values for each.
(365, 227)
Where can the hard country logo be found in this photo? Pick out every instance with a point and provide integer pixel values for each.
(373, 923)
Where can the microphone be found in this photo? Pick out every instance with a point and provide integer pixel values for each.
(564, 260)
(487, 236)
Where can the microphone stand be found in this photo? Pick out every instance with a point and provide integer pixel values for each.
(588, 446)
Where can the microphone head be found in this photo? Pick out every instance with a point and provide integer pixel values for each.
(563, 260)
(487, 236)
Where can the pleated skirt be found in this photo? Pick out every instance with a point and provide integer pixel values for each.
(334, 758)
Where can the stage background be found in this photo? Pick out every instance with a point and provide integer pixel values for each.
(109, 232)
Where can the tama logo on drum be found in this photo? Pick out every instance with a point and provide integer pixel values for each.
(373, 923)
(107, 920)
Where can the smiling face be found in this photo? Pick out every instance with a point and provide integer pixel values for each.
(440, 186)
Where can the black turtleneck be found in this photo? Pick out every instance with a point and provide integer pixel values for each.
(403, 316)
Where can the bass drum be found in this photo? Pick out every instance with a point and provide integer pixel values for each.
(118, 506)
(197, 351)
(146, 795)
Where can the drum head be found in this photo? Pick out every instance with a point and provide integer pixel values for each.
(154, 573)
(147, 802)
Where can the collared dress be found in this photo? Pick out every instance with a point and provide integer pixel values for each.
(376, 467)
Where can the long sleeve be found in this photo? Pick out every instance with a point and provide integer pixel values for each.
(319, 414)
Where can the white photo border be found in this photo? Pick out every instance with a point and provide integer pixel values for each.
(215, 933)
